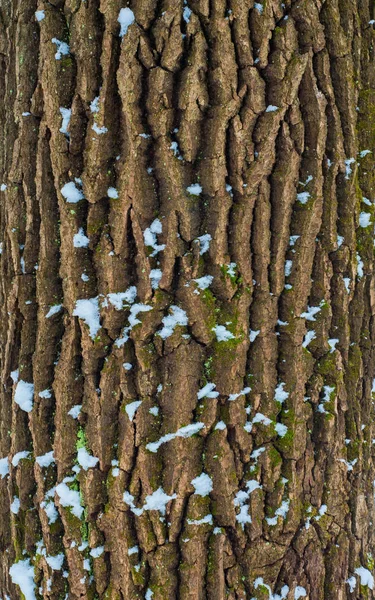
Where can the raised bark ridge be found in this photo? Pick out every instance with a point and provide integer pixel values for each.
(187, 299)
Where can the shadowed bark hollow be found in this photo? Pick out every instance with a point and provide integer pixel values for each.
(187, 299)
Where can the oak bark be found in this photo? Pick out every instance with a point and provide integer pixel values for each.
(219, 216)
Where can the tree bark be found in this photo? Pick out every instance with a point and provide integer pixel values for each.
(187, 299)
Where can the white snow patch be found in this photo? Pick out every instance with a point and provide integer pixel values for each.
(203, 484)
(69, 499)
(309, 314)
(220, 426)
(112, 193)
(204, 282)
(332, 344)
(206, 520)
(45, 460)
(15, 506)
(155, 277)
(66, 113)
(158, 500)
(99, 130)
(365, 577)
(55, 562)
(54, 310)
(150, 239)
(24, 395)
(359, 266)
(117, 299)
(299, 592)
(88, 311)
(39, 15)
(4, 467)
(365, 219)
(303, 197)
(309, 337)
(126, 18)
(170, 322)
(45, 394)
(80, 240)
(254, 334)
(222, 333)
(132, 408)
(207, 391)
(96, 552)
(270, 107)
(185, 432)
(195, 189)
(86, 460)
(280, 394)
(71, 193)
(281, 429)
(75, 411)
(288, 267)
(348, 168)
(94, 106)
(204, 241)
(352, 582)
(186, 14)
(22, 574)
(62, 48)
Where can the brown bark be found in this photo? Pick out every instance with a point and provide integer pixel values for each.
(218, 139)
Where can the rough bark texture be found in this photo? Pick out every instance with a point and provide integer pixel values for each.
(270, 109)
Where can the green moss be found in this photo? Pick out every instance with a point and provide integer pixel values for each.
(81, 439)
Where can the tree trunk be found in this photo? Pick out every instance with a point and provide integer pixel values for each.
(187, 299)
